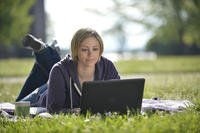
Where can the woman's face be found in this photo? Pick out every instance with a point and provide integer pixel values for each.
(89, 52)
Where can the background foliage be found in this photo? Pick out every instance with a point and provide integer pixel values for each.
(179, 28)
(174, 24)
(15, 20)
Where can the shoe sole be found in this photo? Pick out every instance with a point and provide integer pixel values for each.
(31, 42)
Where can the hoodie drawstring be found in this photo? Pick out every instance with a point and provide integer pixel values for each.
(77, 89)
(70, 88)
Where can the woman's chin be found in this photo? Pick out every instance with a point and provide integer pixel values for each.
(90, 64)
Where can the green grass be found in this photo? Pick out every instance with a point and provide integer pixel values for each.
(187, 121)
(167, 78)
(170, 64)
(9, 89)
(173, 86)
(15, 67)
(164, 64)
(165, 86)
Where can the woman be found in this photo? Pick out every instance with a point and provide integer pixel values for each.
(63, 89)
(87, 64)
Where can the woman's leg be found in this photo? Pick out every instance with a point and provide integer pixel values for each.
(45, 59)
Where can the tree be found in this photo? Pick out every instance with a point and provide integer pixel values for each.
(15, 20)
(174, 24)
(179, 28)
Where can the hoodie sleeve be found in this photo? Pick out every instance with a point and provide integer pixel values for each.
(56, 97)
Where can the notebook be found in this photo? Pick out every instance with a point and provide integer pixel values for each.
(112, 96)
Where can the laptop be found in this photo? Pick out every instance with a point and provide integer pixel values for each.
(112, 96)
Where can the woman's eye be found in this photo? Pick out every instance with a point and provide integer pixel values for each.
(95, 49)
(84, 49)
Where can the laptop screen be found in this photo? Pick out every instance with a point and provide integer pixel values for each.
(112, 95)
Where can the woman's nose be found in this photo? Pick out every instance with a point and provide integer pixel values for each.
(90, 51)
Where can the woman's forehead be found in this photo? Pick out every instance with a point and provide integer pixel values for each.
(90, 41)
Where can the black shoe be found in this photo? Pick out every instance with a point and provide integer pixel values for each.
(31, 42)
(55, 46)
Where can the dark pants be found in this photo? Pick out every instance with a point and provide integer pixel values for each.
(45, 59)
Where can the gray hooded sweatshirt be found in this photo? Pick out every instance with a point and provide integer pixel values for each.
(64, 89)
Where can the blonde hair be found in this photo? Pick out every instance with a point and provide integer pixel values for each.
(79, 37)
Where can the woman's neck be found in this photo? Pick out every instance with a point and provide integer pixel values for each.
(85, 73)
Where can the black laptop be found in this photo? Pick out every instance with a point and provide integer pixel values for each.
(112, 96)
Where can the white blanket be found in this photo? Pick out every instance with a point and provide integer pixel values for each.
(165, 105)
(147, 105)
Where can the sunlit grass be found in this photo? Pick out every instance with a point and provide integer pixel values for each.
(173, 86)
(15, 67)
(171, 64)
(166, 78)
(164, 64)
(187, 121)
(9, 88)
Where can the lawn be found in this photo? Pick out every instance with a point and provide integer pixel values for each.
(167, 77)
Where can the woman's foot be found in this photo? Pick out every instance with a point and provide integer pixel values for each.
(33, 43)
